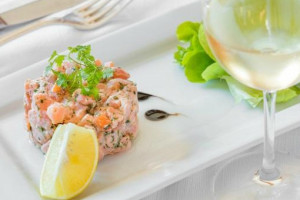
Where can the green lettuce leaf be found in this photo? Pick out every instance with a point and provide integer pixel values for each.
(213, 71)
(286, 95)
(254, 97)
(195, 44)
(203, 41)
(195, 63)
(200, 66)
(241, 92)
(179, 54)
(187, 30)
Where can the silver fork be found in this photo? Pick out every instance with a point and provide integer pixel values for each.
(88, 16)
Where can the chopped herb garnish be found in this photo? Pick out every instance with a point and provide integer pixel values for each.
(106, 127)
(118, 143)
(121, 86)
(42, 129)
(48, 69)
(85, 75)
(127, 121)
(107, 73)
(56, 58)
(89, 108)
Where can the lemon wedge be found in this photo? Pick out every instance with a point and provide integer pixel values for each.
(70, 162)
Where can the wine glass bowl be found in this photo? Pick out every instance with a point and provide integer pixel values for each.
(258, 43)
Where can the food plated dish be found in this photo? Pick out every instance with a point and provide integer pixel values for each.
(83, 91)
(164, 151)
(76, 88)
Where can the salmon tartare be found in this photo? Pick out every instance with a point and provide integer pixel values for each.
(76, 88)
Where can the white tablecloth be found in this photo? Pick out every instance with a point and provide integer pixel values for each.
(39, 45)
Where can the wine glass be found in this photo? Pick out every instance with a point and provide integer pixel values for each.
(258, 43)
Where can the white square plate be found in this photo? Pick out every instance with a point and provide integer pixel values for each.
(211, 127)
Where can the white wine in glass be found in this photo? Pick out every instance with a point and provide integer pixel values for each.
(258, 43)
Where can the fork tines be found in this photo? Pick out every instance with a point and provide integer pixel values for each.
(99, 11)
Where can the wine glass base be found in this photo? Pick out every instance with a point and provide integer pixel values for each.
(238, 179)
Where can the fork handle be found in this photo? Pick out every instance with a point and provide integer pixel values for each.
(26, 29)
(2, 23)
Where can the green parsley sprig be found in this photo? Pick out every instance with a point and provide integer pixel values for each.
(85, 75)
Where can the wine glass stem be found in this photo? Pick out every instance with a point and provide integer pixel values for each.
(268, 171)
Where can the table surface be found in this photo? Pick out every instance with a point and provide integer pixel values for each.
(39, 44)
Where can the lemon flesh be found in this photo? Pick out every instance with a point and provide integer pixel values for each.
(70, 162)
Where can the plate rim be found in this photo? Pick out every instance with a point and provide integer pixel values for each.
(282, 128)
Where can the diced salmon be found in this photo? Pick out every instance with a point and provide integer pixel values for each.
(120, 73)
(98, 62)
(58, 113)
(109, 64)
(42, 101)
(87, 120)
(113, 116)
(82, 99)
(102, 121)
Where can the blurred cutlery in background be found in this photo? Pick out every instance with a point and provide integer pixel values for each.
(88, 16)
(34, 10)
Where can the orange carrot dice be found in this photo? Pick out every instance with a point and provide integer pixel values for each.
(102, 121)
(56, 88)
(98, 62)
